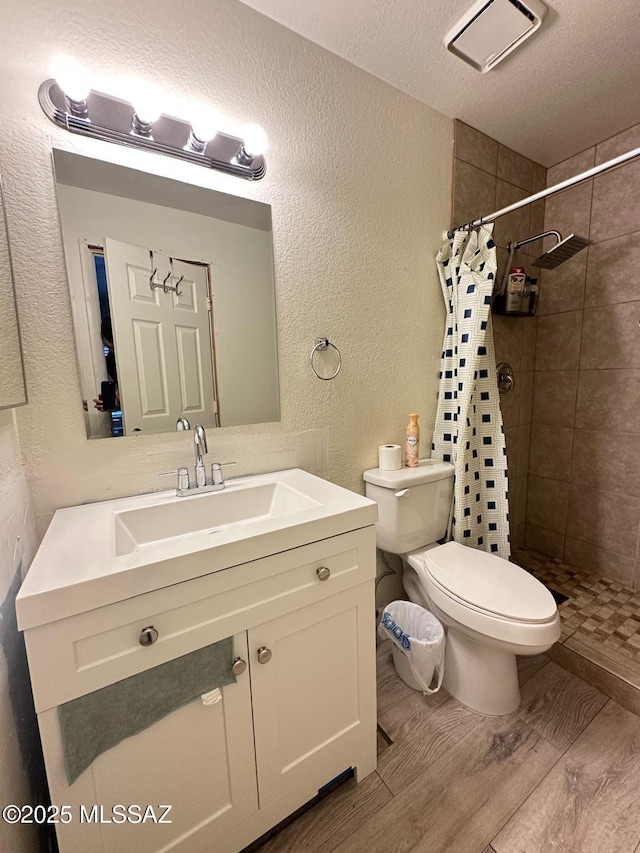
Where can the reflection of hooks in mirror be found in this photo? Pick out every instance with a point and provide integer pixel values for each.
(166, 288)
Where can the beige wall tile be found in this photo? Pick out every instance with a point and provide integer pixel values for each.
(615, 209)
(619, 144)
(610, 337)
(508, 335)
(474, 193)
(514, 168)
(571, 167)
(550, 452)
(539, 178)
(562, 289)
(514, 226)
(517, 536)
(525, 378)
(475, 148)
(524, 443)
(511, 438)
(510, 406)
(530, 325)
(554, 397)
(606, 461)
(558, 341)
(518, 501)
(545, 541)
(603, 519)
(598, 561)
(547, 502)
(568, 212)
(609, 400)
(611, 270)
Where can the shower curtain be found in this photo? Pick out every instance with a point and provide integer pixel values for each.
(468, 430)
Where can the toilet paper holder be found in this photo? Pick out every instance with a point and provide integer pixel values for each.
(320, 345)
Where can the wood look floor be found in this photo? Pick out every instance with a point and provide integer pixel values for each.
(560, 775)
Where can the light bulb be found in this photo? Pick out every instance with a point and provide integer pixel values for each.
(255, 140)
(72, 78)
(205, 124)
(147, 103)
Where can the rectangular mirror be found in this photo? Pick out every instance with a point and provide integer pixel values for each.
(12, 385)
(173, 300)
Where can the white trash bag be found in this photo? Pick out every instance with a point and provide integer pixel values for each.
(418, 644)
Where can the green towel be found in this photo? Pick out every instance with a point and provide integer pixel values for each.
(94, 723)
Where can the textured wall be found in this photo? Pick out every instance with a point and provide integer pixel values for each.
(359, 177)
(487, 177)
(584, 467)
(17, 544)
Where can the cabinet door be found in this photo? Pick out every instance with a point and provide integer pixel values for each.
(199, 759)
(314, 700)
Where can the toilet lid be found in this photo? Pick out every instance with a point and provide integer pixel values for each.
(487, 582)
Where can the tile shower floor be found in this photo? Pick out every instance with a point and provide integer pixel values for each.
(601, 619)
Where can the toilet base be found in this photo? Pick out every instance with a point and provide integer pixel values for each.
(480, 676)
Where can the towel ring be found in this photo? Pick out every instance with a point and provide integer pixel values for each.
(323, 344)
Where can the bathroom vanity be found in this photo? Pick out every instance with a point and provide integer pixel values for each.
(285, 564)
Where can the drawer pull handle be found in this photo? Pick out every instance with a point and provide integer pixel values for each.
(264, 654)
(239, 666)
(148, 636)
(323, 573)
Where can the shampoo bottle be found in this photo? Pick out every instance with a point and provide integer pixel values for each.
(412, 444)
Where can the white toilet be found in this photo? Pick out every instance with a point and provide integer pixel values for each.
(492, 609)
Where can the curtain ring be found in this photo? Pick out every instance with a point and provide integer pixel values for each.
(323, 344)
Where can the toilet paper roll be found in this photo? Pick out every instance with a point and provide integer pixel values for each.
(389, 457)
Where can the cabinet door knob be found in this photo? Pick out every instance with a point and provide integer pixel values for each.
(323, 573)
(239, 666)
(148, 636)
(264, 654)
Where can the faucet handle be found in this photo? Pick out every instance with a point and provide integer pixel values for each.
(183, 478)
(216, 472)
(182, 424)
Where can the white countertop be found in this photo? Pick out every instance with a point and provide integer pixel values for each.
(76, 568)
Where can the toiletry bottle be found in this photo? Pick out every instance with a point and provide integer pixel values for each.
(412, 444)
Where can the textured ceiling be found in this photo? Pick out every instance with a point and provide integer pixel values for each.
(574, 83)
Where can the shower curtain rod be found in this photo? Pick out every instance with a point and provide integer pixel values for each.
(563, 185)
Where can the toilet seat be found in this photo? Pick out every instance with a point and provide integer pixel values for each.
(539, 627)
(489, 584)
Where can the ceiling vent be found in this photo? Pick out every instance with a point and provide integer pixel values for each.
(491, 29)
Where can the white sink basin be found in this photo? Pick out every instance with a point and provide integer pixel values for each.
(97, 554)
(209, 513)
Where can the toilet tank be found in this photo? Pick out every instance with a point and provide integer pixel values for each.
(413, 504)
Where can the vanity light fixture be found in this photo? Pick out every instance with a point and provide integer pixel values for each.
(70, 102)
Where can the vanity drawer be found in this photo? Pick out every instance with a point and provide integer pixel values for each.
(83, 653)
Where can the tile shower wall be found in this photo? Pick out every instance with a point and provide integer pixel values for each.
(488, 176)
(584, 466)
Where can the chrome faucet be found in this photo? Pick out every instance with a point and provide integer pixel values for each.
(200, 447)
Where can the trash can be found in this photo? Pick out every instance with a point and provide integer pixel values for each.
(418, 644)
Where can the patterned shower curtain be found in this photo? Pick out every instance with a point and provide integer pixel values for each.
(468, 430)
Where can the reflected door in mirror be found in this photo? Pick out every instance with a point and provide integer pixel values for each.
(162, 341)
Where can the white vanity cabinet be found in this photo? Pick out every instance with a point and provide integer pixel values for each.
(301, 713)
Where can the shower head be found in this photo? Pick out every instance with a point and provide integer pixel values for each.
(561, 252)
